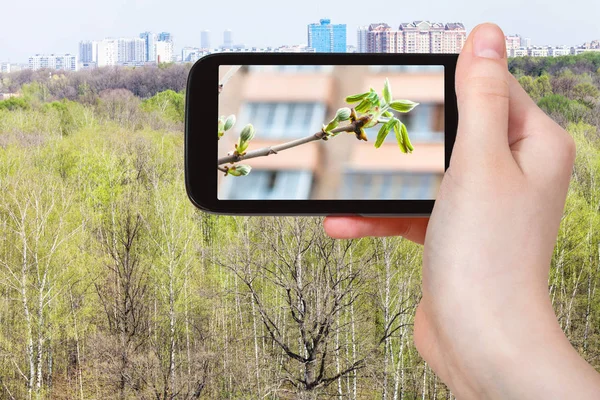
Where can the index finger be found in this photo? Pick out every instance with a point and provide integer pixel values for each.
(413, 228)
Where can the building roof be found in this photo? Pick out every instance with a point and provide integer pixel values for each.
(455, 26)
(379, 26)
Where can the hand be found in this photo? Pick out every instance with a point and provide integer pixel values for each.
(485, 323)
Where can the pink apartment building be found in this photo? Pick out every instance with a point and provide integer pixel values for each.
(413, 37)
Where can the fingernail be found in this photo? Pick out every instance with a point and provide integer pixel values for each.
(489, 42)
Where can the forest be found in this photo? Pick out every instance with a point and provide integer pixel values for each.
(113, 286)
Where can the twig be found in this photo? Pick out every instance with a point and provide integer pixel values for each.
(228, 75)
(221, 169)
(266, 151)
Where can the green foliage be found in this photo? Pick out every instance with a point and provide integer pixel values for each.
(104, 182)
(538, 87)
(558, 104)
(586, 93)
(537, 66)
(169, 104)
(14, 103)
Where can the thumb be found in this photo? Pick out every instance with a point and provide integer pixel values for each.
(482, 90)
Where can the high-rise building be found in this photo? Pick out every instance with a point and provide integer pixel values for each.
(165, 37)
(525, 42)
(59, 62)
(205, 40)
(361, 43)
(326, 37)
(164, 51)
(512, 42)
(149, 40)
(107, 52)
(415, 37)
(88, 52)
(228, 39)
(5, 67)
(455, 36)
(131, 51)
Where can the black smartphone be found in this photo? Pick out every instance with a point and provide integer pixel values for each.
(319, 134)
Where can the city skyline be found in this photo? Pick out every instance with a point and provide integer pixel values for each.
(54, 22)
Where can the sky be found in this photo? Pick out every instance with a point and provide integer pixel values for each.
(41, 26)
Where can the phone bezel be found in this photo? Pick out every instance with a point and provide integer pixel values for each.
(201, 149)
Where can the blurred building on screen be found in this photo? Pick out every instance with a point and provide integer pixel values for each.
(290, 102)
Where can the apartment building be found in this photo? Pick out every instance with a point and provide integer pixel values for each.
(512, 42)
(289, 102)
(59, 62)
(326, 37)
(412, 37)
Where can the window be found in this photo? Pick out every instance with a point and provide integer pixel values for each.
(268, 185)
(409, 69)
(283, 120)
(390, 186)
(292, 68)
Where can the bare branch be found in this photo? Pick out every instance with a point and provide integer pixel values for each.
(266, 151)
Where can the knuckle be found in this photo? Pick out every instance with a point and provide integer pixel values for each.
(488, 86)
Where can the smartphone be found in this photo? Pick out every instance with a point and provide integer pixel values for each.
(319, 134)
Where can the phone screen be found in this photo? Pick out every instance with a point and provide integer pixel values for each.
(286, 104)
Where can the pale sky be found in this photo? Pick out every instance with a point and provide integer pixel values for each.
(40, 26)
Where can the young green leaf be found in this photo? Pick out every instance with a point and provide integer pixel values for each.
(403, 106)
(229, 122)
(388, 114)
(355, 98)
(364, 106)
(387, 91)
(239, 170)
(331, 126)
(406, 139)
(247, 133)
(374, 98)
(246, 136)
(399, 138)
(384, 131)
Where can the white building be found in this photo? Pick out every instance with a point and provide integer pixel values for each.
(88, 51)
(5, 67)
(520, 52)
(59, 62)
(107, 53)
(205, 40)
(131, 51)
(525, 42)
(164, 52)
(190, 54)
(294, 49)
(559, 51)
(538, 51)
(361, 46)
(512, 42)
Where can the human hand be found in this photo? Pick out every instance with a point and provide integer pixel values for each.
(485, 323)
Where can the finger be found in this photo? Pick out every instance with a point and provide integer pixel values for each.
(482, 89)
(413, 229)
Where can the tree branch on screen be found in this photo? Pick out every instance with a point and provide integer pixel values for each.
(372, 110)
